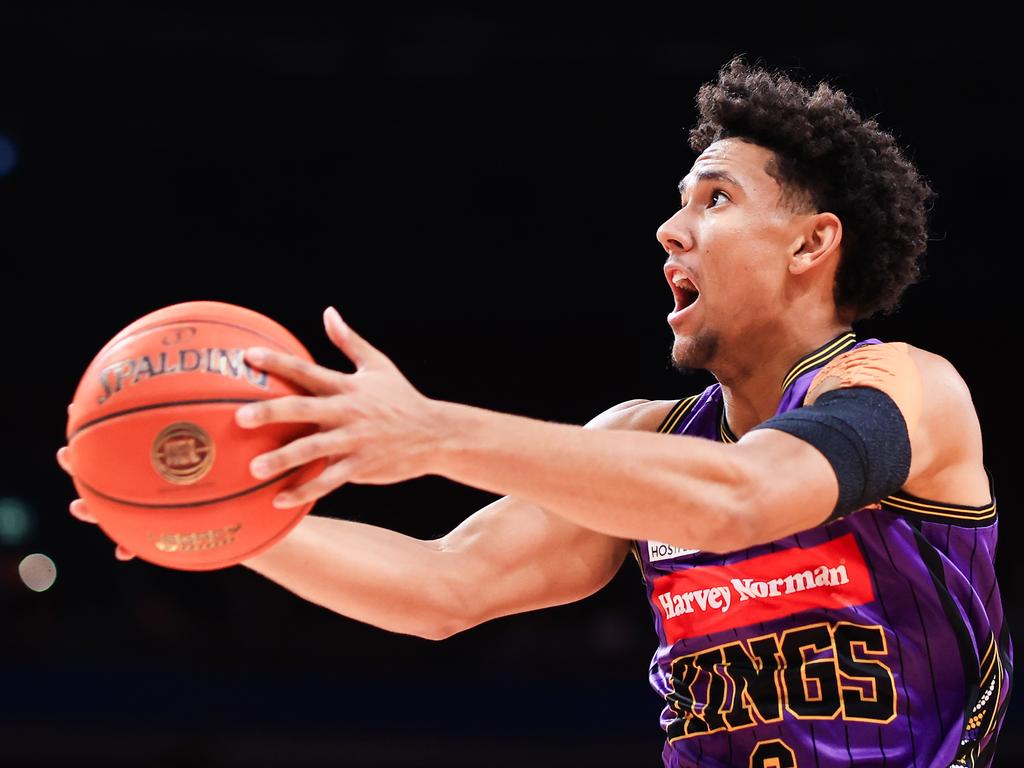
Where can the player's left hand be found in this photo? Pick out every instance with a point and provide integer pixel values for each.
(375, 427)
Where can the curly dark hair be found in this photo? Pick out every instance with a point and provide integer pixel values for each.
(829, 158)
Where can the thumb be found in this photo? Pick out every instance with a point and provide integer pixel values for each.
(355, 347)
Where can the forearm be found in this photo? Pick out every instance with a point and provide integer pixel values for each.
(639, 485)
(377, 576)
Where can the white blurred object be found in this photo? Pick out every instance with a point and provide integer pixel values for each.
(38, 572)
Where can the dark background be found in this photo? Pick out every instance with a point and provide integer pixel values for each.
(478, 195)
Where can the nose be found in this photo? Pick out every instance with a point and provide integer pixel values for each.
(673, 234)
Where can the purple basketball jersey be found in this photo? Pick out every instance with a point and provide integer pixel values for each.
(875, 639)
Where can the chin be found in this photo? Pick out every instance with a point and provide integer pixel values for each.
(690, 353)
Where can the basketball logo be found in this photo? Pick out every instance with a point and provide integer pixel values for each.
(183, 453)
(191, 542)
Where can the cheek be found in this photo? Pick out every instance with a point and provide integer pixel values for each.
(745, 291)
(743, 274)
(763, 274)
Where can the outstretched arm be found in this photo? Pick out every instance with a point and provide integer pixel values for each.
(678, 489)
(377, 429)
(719, 497)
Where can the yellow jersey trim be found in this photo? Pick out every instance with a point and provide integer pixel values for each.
(819, 357)
(928, 510)
(676, 414)
(727, 435)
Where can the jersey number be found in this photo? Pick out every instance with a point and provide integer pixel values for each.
(772, 754)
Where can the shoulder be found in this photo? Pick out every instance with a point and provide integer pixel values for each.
(917, 380)
(948, 416)
(947, 450)
(942, 383)
(921, 382)
(641, 415)
(896, 357)
(945, 435)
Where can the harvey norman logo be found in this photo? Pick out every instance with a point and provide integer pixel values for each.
(708, 599)
(720, 598)
(657, 550)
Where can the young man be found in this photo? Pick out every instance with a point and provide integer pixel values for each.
(816, 530)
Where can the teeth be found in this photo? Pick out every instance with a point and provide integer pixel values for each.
(683, 282)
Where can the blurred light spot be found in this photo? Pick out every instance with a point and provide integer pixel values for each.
(15, 521)
(38, 572)
(8, 155)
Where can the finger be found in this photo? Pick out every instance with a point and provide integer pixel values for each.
(333, 477)
(310, 376)
(78, 510)
(64, 459)
(122, 554)
(290, 409)
(355, 347)
(301, 451)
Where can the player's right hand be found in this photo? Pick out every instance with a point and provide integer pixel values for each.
(78, 506)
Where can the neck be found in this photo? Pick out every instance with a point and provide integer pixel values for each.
(752, 384)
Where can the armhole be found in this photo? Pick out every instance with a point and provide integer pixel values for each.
(635, 549)
(676, 414)
(668, 424)
(930, 511)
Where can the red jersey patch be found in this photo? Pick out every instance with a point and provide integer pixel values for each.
(708, 599)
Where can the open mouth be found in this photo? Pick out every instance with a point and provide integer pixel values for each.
(686, 297)
(684, 291)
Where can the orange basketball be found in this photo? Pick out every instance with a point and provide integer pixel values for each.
(156, 453)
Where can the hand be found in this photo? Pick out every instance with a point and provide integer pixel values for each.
(375, 426)
(78, 506)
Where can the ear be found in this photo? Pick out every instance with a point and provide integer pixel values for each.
(816, 243)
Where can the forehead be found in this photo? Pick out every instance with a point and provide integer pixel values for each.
(737, 161)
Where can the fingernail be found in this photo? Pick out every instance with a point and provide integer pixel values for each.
(246, 415)
(256, 355)
(283, 501)
(260, 468)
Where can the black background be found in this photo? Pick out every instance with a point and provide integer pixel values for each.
(478, 195)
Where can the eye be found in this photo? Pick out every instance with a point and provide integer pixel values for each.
(716, 192)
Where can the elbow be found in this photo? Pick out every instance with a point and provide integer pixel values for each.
(434, 634)
(441, 630)
(449, 608)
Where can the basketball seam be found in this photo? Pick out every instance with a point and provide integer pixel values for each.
(270, 339)
(188, 504)
(155, 406)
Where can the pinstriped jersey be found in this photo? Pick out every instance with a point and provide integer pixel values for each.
(875, 639)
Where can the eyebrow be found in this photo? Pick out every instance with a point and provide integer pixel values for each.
(708, 175)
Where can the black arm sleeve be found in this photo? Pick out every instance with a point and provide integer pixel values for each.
(862, 433)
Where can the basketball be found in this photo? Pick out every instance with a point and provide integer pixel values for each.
(157, 455)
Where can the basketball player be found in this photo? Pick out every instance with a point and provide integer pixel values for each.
(816, 530)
